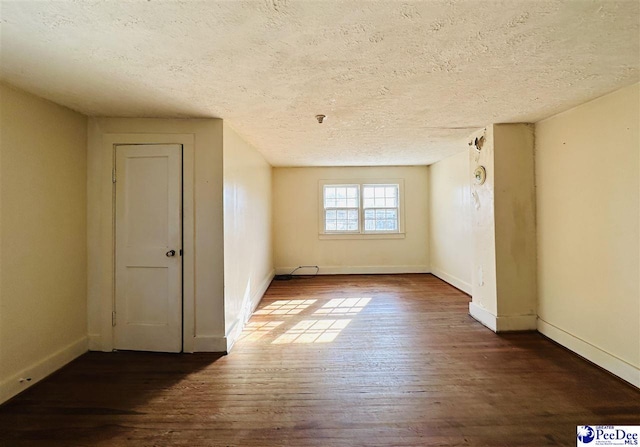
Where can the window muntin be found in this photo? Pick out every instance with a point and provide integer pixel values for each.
(368, 208)
(341, 208)
(380, 205)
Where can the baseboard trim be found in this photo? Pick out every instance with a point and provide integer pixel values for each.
(95, 342)
(603, 359)
(248, 307)
(454, 281)
(511, 323)
(483, 316)
(360, 270)
(209, 343)
(260, 291)
(41, 369)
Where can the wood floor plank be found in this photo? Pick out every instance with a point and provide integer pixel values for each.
(384, 360)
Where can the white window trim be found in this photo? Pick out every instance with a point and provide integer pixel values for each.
(322, 234)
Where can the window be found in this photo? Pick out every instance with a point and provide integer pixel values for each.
(363, 208)
(341, 208)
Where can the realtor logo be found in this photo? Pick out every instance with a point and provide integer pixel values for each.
(586, 434)
(608, 435)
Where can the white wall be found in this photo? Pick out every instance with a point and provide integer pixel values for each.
(588, 230)
(450, 220)
(295, 219)
(204, 326)
(43, 320)
(248, 253)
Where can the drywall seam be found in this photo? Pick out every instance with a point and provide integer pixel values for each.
(362, 269)
(41, 369)
(594, 354)
(452, 280)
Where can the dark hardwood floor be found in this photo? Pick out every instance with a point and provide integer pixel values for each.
(388, 360)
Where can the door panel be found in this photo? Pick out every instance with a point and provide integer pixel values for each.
(148, 225)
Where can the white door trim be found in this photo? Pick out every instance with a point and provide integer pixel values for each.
(107, 231)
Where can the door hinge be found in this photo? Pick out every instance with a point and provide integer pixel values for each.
(113, 318)
(113, 175)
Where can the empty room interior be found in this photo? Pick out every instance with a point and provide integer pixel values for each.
(304, 223)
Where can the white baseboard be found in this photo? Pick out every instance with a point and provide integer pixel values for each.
(483, 316)
(209, 343)
(503, 323)
(95, 342)
(41, 369)
(454, 281)
(611, 363)
(247, 310)
(360, 270)
(260, 291)
(510, 323)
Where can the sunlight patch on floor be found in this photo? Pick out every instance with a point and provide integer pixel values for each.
(343, 306)
(313, 331)
(256, 330)
(285, 307)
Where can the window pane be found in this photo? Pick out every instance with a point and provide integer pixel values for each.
(341, 202)
(352, 203)
(341, 193)
(341, 214)
(329, 192)
(330, 225)
(390, 191)
(342, 225)
(379, 201)
(368, 203)
(368, 192)
(379, 191)
(352, 192)
(353, 225)
(390, 202)
(369, 225)
(353, 215)
(330, 215)
(369, 214)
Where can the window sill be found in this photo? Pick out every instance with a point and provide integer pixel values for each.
(329, 236)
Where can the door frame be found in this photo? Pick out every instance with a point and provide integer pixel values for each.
(107, 221)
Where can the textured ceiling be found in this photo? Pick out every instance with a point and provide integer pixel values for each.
(400, 82)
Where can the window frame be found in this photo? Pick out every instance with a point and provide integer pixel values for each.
(361, 233)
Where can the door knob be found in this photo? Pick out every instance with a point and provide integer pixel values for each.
(171, 253)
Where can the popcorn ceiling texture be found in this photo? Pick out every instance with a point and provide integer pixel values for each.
(401, 83)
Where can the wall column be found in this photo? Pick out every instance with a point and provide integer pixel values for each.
(503, 227)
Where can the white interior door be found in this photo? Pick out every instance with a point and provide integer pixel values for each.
(148, 234)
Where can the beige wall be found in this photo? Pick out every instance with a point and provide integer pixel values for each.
(503, 229)
(588, 223)
(248, 253)
(204, 326)
(450, 220)
(43, 310)
(295, 220)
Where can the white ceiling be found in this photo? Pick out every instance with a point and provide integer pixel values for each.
(401, 82)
